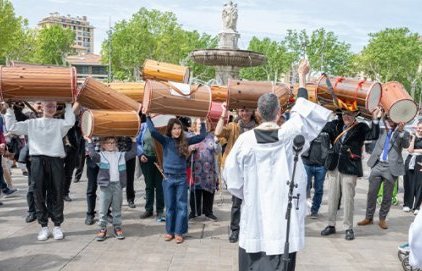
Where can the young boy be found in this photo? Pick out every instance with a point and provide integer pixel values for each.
(47, 153)
(111, 179)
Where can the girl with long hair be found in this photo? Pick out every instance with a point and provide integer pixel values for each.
(175, 152)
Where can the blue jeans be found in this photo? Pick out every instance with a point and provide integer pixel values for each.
(318, 172)
(175, 190)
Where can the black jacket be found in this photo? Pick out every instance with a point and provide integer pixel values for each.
(350, 149)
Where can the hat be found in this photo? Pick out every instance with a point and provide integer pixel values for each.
(353, 113)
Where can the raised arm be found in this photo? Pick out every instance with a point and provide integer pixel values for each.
(154, 132)
(95, 156)
(198, 138)
(69, 119)
(14, 127)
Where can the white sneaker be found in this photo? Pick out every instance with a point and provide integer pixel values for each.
(43, 234)
(415, 212)
(406, 209)
(57, 233)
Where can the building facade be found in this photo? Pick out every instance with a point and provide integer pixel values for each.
(84, 31)
(88, 65)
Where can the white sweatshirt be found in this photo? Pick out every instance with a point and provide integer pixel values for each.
(45, 135)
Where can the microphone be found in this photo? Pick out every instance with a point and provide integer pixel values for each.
(298, 143)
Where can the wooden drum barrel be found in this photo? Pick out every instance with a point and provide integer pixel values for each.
(245, 94)
(155, 70)
(38, 83)
(134, 90)
(311, 88)
(172, 98)
(95, 95)
(219, 93)
(110, 123)
(365, 95)
(397, 102)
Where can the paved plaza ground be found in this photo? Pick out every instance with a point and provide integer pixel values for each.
(206, 246)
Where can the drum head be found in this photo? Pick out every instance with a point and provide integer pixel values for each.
(374, 97)
(161, 120)
(403, 111)
(87, 123)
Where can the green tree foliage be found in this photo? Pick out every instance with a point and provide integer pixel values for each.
(323, 50)
(53, 44)
(394, 55)
(151, 34)
(278, 60)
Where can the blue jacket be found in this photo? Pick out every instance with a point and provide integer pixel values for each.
(174, 162)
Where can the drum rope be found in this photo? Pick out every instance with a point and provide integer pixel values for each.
(192, 91)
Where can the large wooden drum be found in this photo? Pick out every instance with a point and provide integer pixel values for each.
(311, 88)
(172, 98)
(38, 83)
(110, 123)
(245, 94)
(352, 94)
(155, 70)
(134, 90)
(219, 93)
(397, 102)
(96, 95)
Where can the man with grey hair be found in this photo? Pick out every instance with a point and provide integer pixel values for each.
(257, 170)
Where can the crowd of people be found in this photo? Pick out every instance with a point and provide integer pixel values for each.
(189, 160)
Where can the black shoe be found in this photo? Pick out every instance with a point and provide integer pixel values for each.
(212, 217)
(131, 204)
(328, 230)
(146, 214)
(7, 191)
(31, 217)
(192, 215)
(89, 220)
(76, 180)
(67, 198)
(1, 203)
(350, 235)
(234, 237)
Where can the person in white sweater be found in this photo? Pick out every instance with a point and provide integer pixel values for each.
(47, 152)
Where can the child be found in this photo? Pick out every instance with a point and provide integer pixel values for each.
(111, 179)
(47, 152)
(175, 152)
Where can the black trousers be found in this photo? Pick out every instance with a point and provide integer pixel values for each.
(202, 200)
(69, 166)
(91, 189)
(261, 262)
(130, 177)
(30, 194)
(47, 174)
(80, 160)
(153, 185)
(235, 214)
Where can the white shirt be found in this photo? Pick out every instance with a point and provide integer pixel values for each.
(415, 242)
(113, 160)
(45, 135)
(258, 174)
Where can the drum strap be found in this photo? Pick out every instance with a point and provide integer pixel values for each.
(331, 89)
(192, 90)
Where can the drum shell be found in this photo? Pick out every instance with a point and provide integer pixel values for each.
(368, 96)
(155, 70)
(245, 94)
(397, 102)
(311, 88)
(133, 90)
(110, 123)
(38, 83)
(158, 98)
(95, 95)
(219, 93)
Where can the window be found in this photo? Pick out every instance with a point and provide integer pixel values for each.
(82, 69)
(99, 70)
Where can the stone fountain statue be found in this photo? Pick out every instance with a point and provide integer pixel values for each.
(230, 17)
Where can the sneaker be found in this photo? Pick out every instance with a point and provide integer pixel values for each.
(350, 235)
(309, 203)
(67, 198)
(76, 180)
(405, 248)
(161, 217)
(415, 212)
(7, 191)
(57, 233)
(118, 233)
(146, 214)
(314, 215)
(191, 216)
(212, 217)
(43, 234)
(31, 217)
(131, 204)
(101, 234)
(89, 220)
(406, 209)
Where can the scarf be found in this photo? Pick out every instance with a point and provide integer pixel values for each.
(244, 127)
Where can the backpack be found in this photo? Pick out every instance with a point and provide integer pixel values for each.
(318, 150)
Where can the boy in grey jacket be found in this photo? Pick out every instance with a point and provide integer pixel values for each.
(111, 179)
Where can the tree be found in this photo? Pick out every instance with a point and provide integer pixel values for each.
(53, 44)
(278, 60)
(12, 31)
(150, 34)
(323, 49)
(393, 54)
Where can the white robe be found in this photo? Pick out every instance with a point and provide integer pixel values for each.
(258, 174)
(415, 242)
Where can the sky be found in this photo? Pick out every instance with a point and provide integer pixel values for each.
(350, 20)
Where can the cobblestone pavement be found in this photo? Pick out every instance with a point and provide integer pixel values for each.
(206, 246)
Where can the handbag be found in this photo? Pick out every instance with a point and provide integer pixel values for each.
(331, 161)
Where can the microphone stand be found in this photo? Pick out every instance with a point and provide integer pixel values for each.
(291, 185)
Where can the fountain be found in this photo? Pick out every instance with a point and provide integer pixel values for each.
(227, 58)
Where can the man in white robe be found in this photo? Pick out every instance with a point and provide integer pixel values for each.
(415, 242)
(257, 170)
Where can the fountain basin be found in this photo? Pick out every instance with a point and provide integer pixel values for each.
(227, 57)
